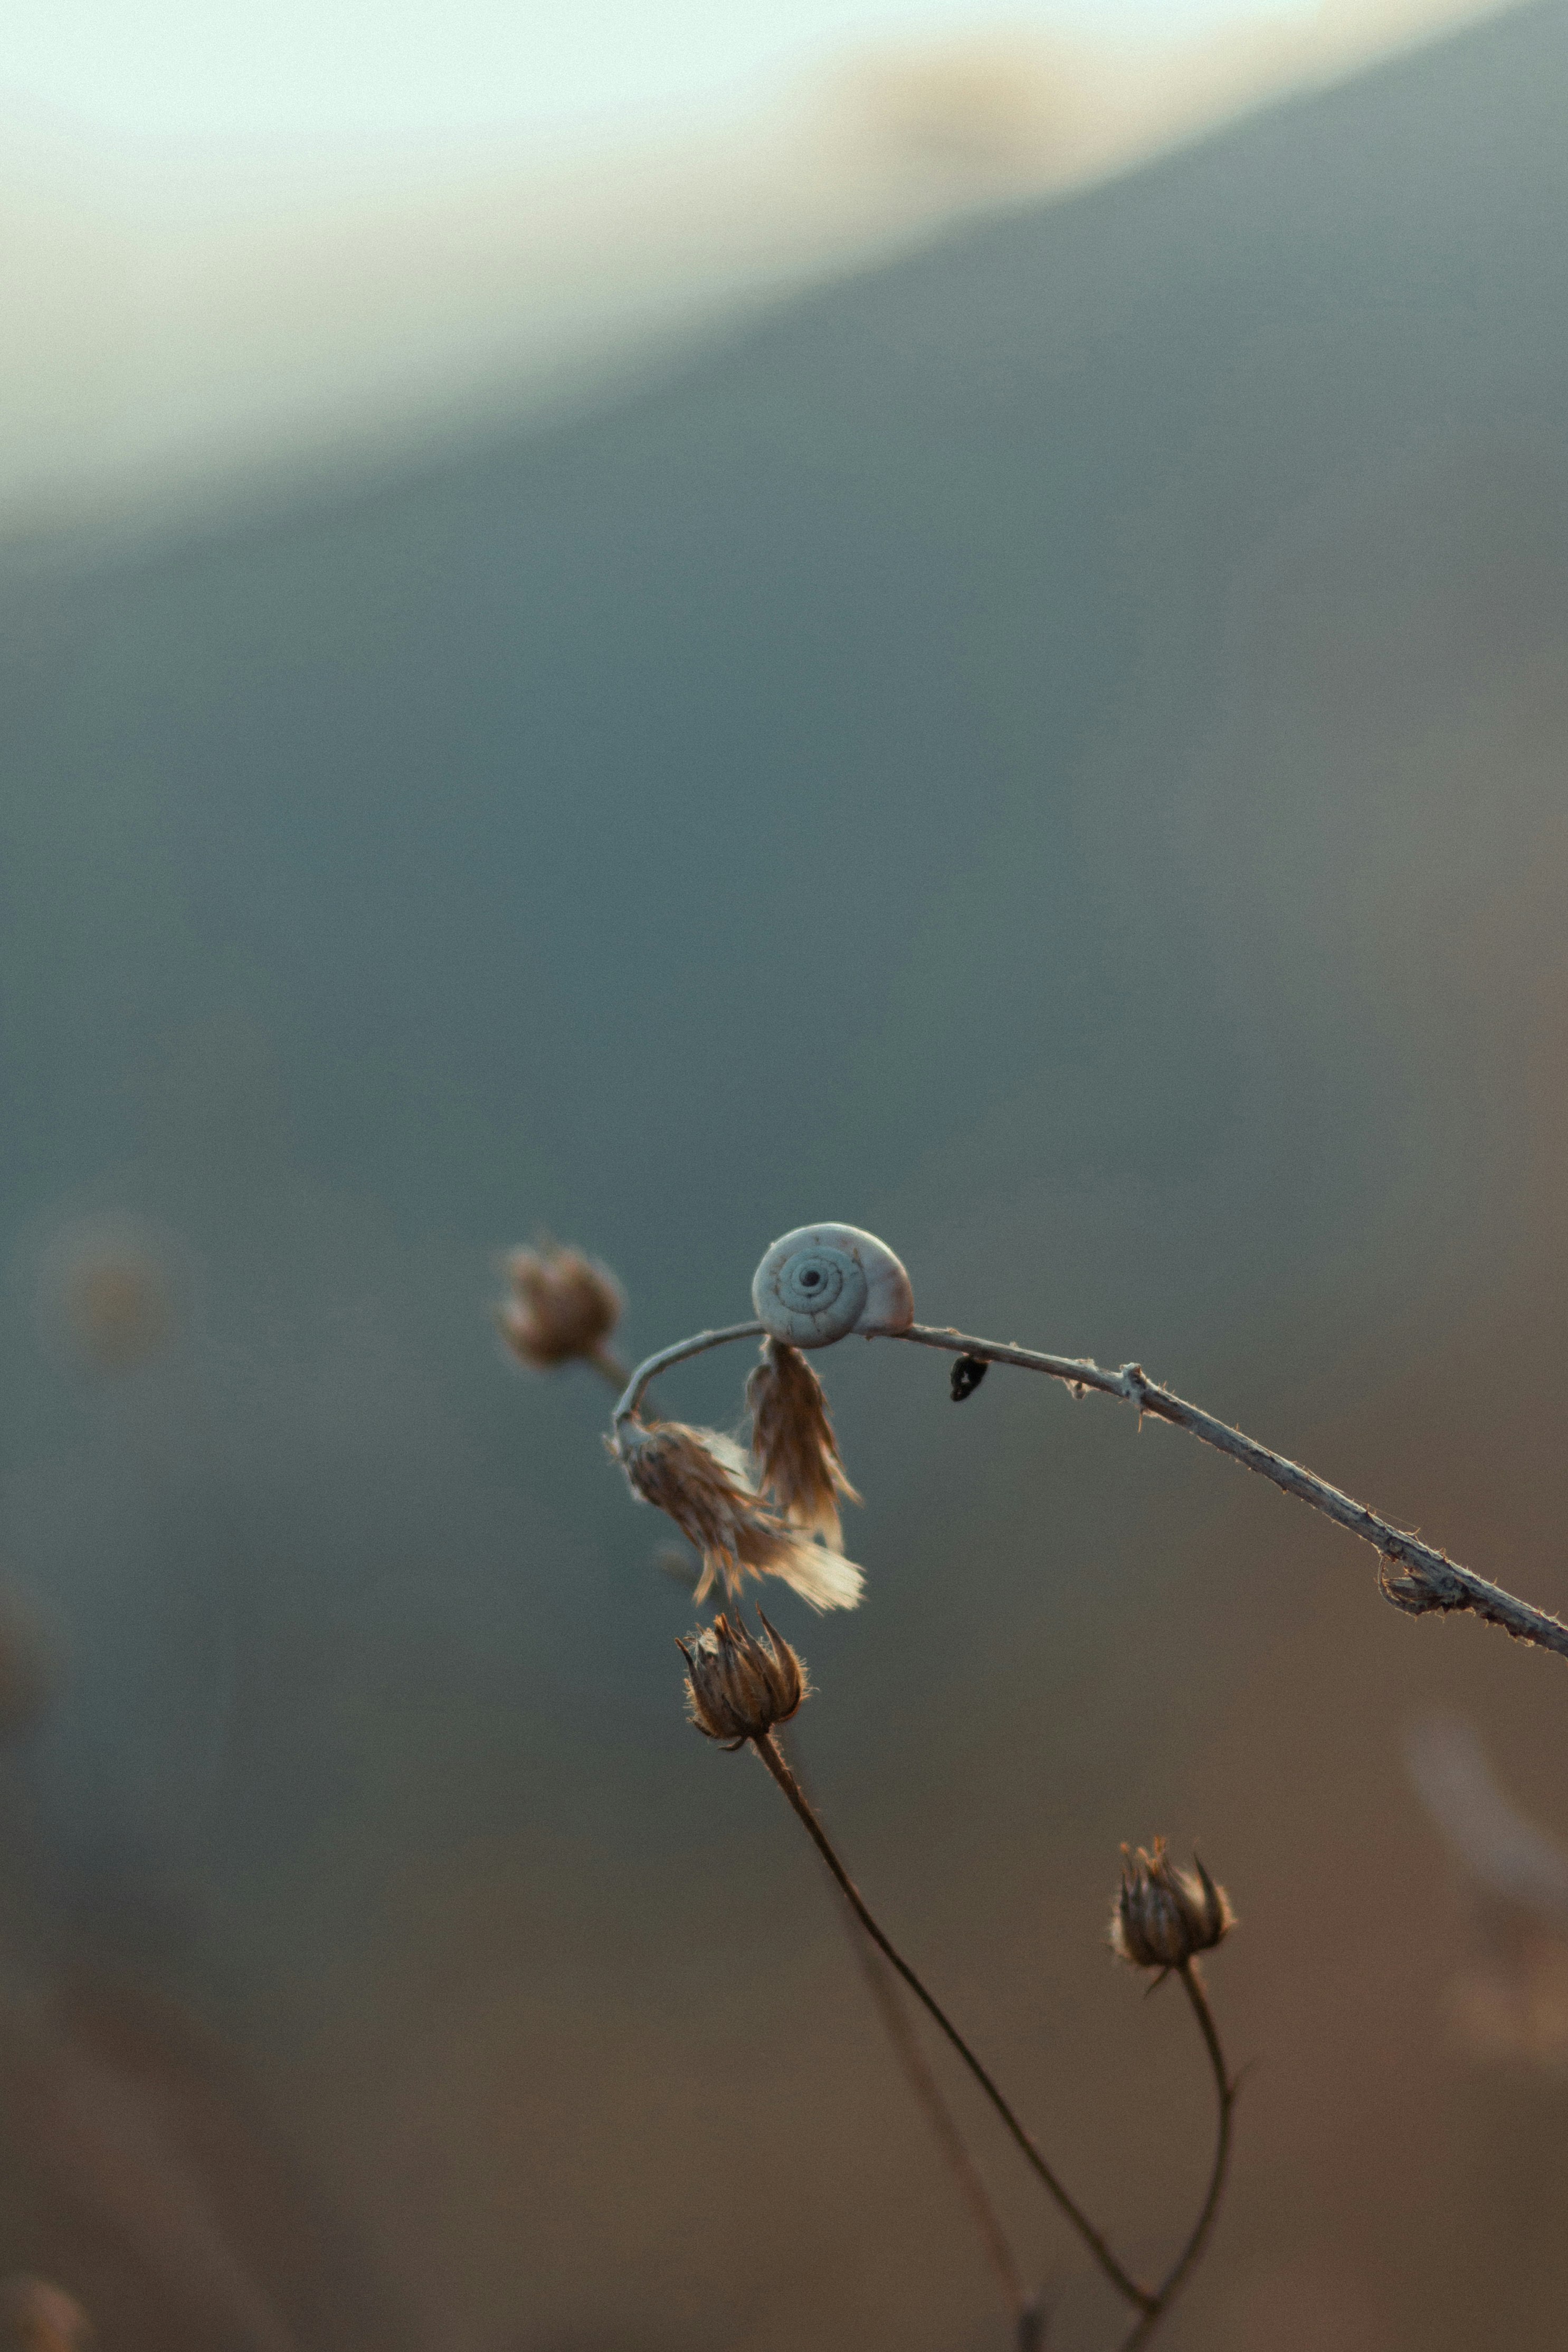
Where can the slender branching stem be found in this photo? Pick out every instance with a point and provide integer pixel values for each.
(609, 1366)
(1431, 1582)
(1124, 2284)
(927, 2091)
(696, 1345)
(1429, 1579)
(1225, 2088)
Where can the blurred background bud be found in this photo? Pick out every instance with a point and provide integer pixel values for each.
(562, 1307)
(985, 107)
(1507, 1998)
(108, 1293)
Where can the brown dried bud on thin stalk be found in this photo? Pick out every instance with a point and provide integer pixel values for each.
(799, 1466)
(700, 1479)
(1164, 1916)
(738, 1688)
(563, 1305)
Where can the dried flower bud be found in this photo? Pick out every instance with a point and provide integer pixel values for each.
(737, 1687)
(700, 1480)
(1163, 1916)
(562, 1306)
(799, 1465)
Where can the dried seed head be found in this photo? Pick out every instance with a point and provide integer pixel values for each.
(563, 1304)
(700, 1480)
(799, 1466)
(737, 1687)
(1162, 1916)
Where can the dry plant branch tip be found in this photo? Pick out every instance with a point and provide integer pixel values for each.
(866, 1291)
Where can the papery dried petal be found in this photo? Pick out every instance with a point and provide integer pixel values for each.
(699, 1478)
(799, 1466)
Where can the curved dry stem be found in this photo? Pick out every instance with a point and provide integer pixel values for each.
(1431, 1582)
(926, 2093)
(1125, 2284)
(609, 1366)
(636, 1387)
(1176, 2278)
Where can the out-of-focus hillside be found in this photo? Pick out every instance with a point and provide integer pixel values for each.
(192, 328)
(1052, 749)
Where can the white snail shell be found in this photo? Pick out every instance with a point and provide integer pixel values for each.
(821, 1282)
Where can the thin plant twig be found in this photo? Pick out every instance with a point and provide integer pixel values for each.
(695, 1345)
(1142, 2297)
(1225, 2088)
(609, 1366)
(1431, 1582)
(927, 2095)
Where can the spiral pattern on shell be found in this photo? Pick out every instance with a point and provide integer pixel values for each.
(821, 1282)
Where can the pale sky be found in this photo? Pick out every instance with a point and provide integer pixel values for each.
(553, 71)
(240, 238)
